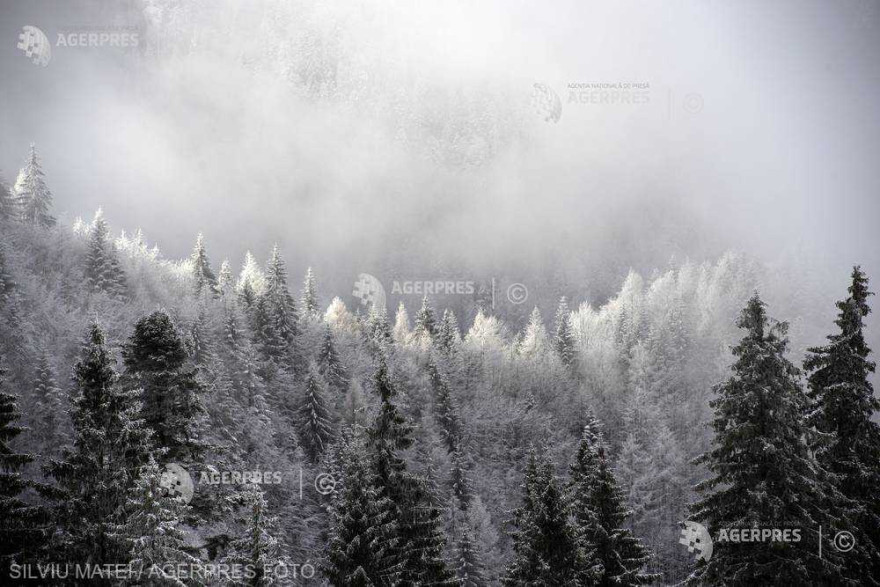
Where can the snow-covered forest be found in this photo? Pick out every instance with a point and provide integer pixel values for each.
(466, 293)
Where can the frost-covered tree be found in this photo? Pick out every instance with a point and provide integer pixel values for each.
(309, 296)
(251, 281)
(103, 271)
(33, 196)
(401, 331)
(363, 545)
(842, 409)
(20, 523)
(280, 307)
(545, 543)
(257, 549)
(156, 363)
(52, 408)
(563, 339)
(225, 280)
(535, 342)
(330, 364)
(8, 205)
(7, 284)
(313, 416)
(471, 570)
(425, 322)
(615, 556)
(448, 333)
(92, 478)
(762, 470)
(204, 280)
(445, 411)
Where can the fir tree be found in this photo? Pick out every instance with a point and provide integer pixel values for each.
(309, 297)
(150, 534)
(471, 570)
(445, 411)
(448, 334)
(257, 550)
(545, 544)
(6, 282)
(103, 272)
(762, 471)
(426, 323)
(420, 541)
(91, 479)
(8, 207)
(330, 364)
(203, 277)
(34, 197)
(401, 331)
(225, 281)
(842, 407)
(363, 546)
(20, 533)
(280, 308)
(251, 282)
(156, 363)
(616, 557)
(563, 339)
(52, 407)
(314, 417)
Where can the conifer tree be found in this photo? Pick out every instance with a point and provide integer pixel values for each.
(842, 409)
(257, 549)
(471, 569)
(225, 280)
(363, 546)
(535, 341)
(156, 363)
(314, 419)
(426, 322)
(8, 207)
(280, 309)
(150, 536)
(448, 334)
(445, 411)
(103, 272)
(420, 540)
(330, 363)
(251, 282)
(6, 282)
(204, 280)
(401, 331)
(762, 470)
(545, 544)
(309, 297)
(615, 556)
(92, 477)
(52, 408)
(20, 533)
(34, 197)
(563, 339)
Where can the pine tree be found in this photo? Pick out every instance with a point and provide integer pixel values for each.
(103, 272)
(563, 340)
(257, 549)
(426, 323)
(330, 364)
(52, 407)
(309, 298)
(598, 506)
(150, 535)
(34, 197)
(842, 406)
(156, 363)
(8, 206)
(420, 540)
(363, 546)
(203, 277)
(448, 334)
(20, 533)
(545, 544)
(314, 417)
(762, 471)
(92, 478)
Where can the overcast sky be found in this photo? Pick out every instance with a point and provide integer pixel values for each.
(350, 132)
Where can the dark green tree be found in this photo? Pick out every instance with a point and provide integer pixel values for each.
(103, 272)
(281, 308)
(842, 409)
(52, 408)
(330, 363)
(257, 549)
(445, 411)
(762, 471)
(313, 416)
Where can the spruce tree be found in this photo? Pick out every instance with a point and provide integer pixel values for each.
(156, 363)
(282, 308)
(225, 280)
(615, 556)
(563, 339)
(204, 280)
(445, 411)
(92, 478)
(34, 197)
(251, 282)
(330, 363)
(420, 540)
(52, 408)
(448, 334)
(401, 331)
(8, 206)
(545, 544)
(363, 546)
(842, 409)
(20, 533)
(314, 420)
(102, 270)
(762, 471)
(6, 282)
(257, 549)
(309, 298)
(426, 322)
(471, 570)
